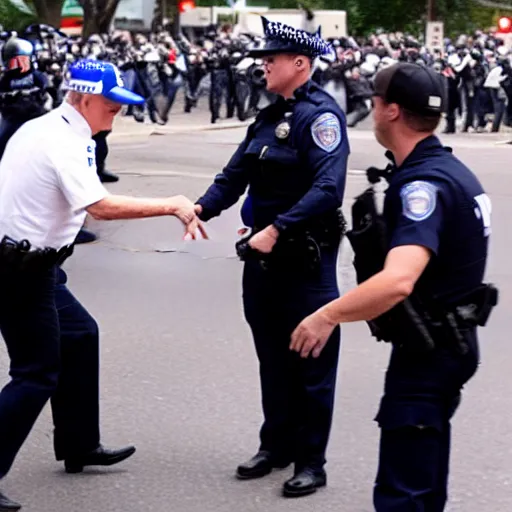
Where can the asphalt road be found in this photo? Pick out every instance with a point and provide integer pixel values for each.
(179, 372)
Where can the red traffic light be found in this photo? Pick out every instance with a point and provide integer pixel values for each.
(186, 5)
(505, 24)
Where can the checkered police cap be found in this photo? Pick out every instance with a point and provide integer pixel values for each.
(281, 38)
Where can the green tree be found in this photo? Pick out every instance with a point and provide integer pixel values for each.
(13, 18)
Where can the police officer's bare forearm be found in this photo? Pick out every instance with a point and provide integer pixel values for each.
(420, 267)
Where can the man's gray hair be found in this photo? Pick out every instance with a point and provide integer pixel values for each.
(74, 97)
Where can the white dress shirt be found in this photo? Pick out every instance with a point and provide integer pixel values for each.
(47, 179)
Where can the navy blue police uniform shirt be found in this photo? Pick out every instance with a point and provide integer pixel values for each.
(14, 80)
(292, 177)
(435, 201)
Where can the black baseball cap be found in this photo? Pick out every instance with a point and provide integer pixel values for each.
(412, 86)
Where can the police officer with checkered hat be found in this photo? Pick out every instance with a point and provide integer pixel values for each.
(420, 265)
(48, 184)
(293, 161)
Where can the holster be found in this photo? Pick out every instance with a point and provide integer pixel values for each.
(476, 307)
(18, 256)
(292, 254)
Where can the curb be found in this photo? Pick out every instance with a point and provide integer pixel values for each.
(173, 130)
(162, 130)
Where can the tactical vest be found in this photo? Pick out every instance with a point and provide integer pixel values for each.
(420, 321)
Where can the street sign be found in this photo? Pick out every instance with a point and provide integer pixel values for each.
(434, 39)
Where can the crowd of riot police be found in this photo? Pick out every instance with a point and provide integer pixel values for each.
(215, 69)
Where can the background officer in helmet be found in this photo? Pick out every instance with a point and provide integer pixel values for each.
(425, 294)
(294, 160)
(22, 89)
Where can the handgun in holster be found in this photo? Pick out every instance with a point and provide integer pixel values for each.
(478, 305)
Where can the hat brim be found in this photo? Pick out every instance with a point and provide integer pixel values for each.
(123, 96)
(267, 52)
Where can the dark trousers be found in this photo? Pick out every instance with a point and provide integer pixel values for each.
(75, 404)
(481, 105)
(222, 87)
(8, 128)
(422, 393)
(101, 150)
(297, 394)
(498, 105)
(53, 353)
(470, 95)
(360, 111)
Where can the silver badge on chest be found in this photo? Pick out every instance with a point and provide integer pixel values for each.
(283, 128)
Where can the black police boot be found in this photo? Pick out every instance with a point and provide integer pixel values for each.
(107, 177)
(304, 482)
(7, 505)
(260, 465)
(85, 237)
(99, 457)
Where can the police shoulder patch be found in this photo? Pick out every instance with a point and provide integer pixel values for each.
(326, 132)
(418, 200)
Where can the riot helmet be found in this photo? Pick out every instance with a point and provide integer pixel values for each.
(17, 54)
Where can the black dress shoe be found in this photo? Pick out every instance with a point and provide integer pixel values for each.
(260, 465)
(7, 505)
(305, 482)
(107, 177)
(99, 457)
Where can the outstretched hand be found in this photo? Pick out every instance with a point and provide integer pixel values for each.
(185, 210)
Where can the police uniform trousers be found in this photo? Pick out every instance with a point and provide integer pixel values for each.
(53, 348)
(101, 149)
(297, 394)
(421, 394)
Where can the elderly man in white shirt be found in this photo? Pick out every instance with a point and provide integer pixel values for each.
(48, 183)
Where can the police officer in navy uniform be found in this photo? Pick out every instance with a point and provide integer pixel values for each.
(428, 294)
(48, 184)
(22, 89)
(294, 160)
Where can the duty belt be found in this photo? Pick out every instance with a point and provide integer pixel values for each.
(19, 256)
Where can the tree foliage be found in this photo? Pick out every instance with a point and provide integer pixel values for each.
(367, 16)
(12, 18)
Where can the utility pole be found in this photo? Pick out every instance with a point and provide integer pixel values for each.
(430, 10)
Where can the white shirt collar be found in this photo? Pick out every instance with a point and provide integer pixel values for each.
(75, 119)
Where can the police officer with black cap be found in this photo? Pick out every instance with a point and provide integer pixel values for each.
(294, 160)
(420, 265)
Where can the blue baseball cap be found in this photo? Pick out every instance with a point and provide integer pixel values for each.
(98, 77)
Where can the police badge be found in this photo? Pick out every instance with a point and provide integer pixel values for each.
(283, 128)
